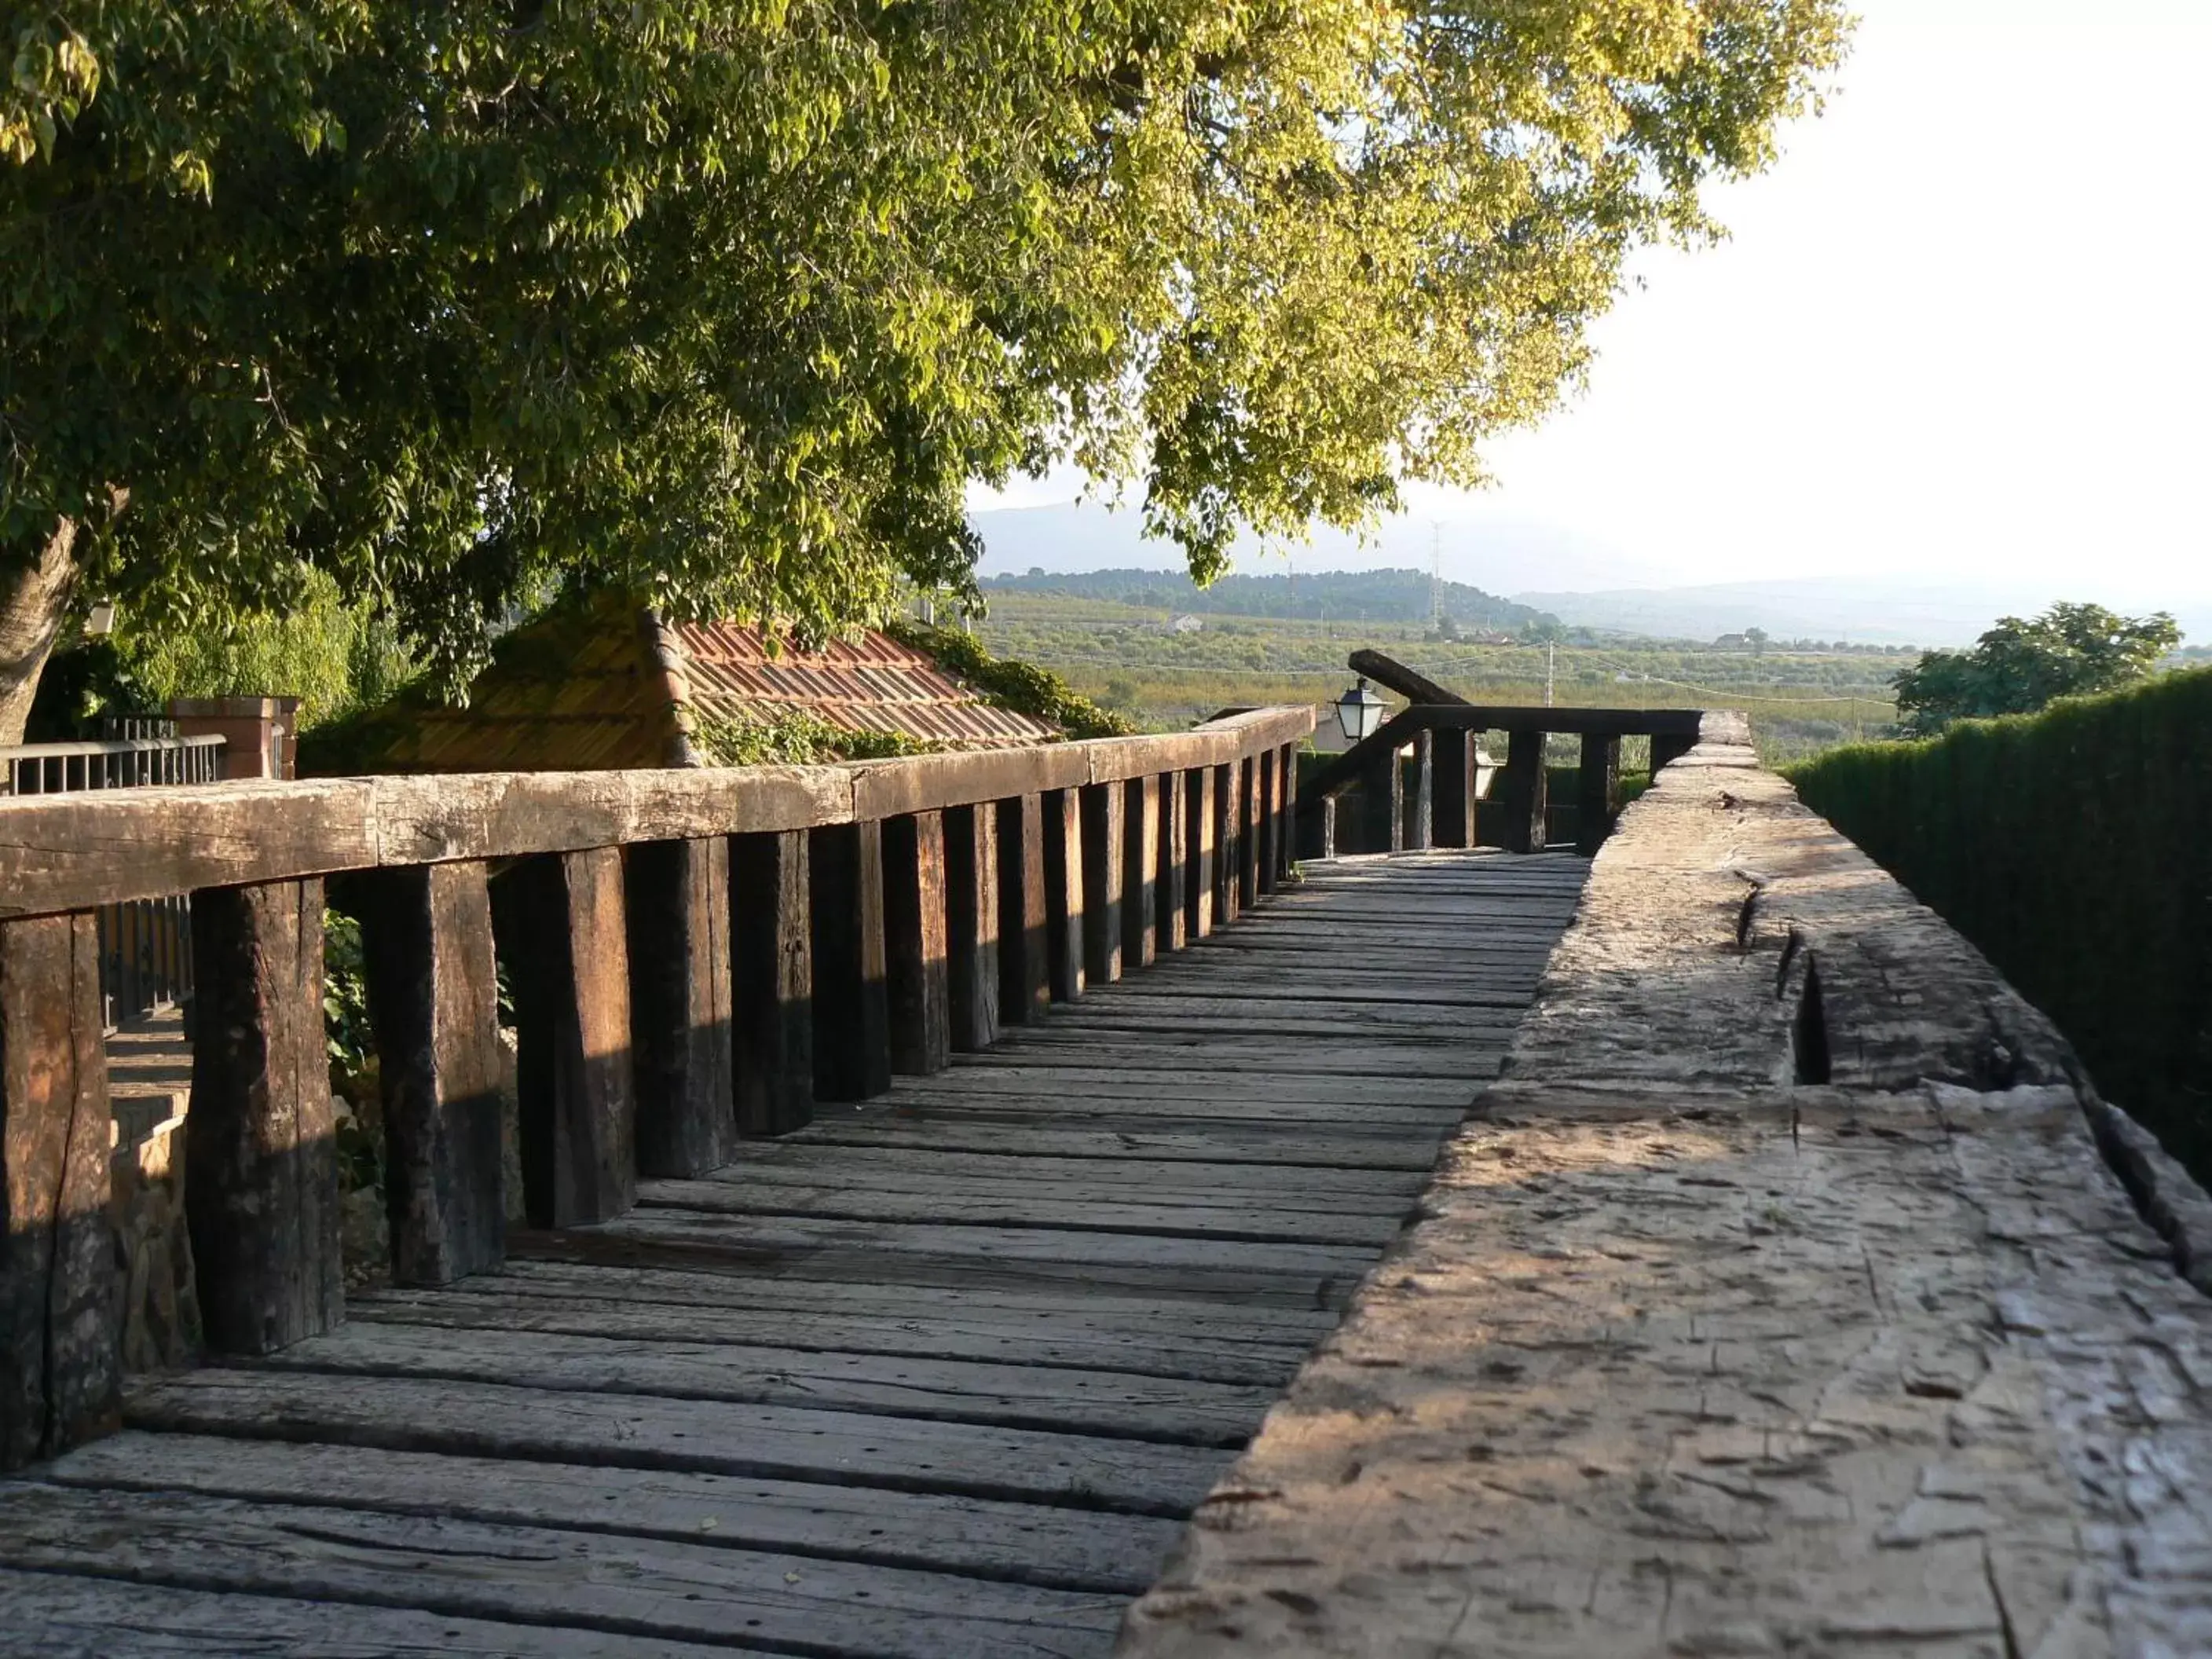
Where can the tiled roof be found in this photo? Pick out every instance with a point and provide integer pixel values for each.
(872, 683)
(602, 688)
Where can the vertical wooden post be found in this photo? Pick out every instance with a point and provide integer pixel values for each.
(1287, 809)
(1171, 922)
(1453, 824)
(1326, 807)
(1226, 855)
(971, 925)
(261, 1177)
(1597, 791)
(432, 990)
(1248, 832)
(562, 935)
(1024, 925)
(61, 1305)
(1382, 806)
(772, 981)
(1199, 848)
(677, 896)
(916, 975)
(852, 1006)
(1269, 761)
(1140, 871)
(1420, 812)
(1525, 787)
(1063, 891)
(1666, 750)
(1103, 876)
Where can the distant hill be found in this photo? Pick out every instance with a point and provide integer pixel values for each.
(1376, 596)
(1868, 609)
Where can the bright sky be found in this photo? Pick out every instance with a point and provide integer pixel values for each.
(1963, 331)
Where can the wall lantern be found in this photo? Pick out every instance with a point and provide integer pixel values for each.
(1359, 711)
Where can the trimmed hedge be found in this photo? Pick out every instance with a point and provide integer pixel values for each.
(2074, 849)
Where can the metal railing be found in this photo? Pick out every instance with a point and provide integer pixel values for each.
(145, 944)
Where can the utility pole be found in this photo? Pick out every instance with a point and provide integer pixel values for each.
(1436, 577)
(1551, 667)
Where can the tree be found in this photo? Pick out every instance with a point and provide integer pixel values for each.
(726, 304)
(2018, 667)
(1756, 639)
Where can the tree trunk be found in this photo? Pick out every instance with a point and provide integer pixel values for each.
(33, 601)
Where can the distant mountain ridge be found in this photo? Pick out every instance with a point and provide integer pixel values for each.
(1372, 596)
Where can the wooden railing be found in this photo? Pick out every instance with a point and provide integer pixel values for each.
(145, 944)
(1442, 739)
(695, 956)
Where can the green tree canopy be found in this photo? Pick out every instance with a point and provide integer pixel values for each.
(726, 303)
(2018, 667)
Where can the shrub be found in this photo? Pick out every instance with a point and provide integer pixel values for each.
(2074, 849)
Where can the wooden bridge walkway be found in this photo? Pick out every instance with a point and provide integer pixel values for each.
(941, 1375)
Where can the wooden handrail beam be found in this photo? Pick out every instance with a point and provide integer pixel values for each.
(1397, 731)
(66, 852)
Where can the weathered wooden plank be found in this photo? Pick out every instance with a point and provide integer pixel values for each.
(1170, 916)
(1263, 1055)
(1215, 1269)
(1104, 874)
(1071, 1088)
(1140, 864)
(1024, 923)
(1228, 855)
(483, 1420)
(1079, 1212)
(627, 1586)
(1270, 827)
(1248, 806)
(562, 938)
(915, 947)
(1074, 1334)
(261, 1180)
(1356, 1146)
(434, 1002)
(1201, 851)
(1420, 807)
(109, 1618)
(676, 896)
(852, 1008)
(1054, 1398)
(1017, 1170)
(971, 925)
(772, 981)
(1287, 809)
(70, 851)
(1524, 788)
(1064, 891)
(1597, 792)
(986, 1312)
(60, 1327)
(1017, 1543)
(1454, 800)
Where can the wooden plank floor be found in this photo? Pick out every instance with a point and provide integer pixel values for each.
(940, 1375)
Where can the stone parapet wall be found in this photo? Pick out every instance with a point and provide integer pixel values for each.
(1781, 1297)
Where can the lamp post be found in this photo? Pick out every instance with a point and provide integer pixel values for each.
(1359, 711)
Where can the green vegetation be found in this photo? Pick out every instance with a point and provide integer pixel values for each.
(334, 655)
(1802, 701)
(726, 304)
(2019, 667)
(2072, 847)
(793, 737)
(1021, 686)
(1343, 596)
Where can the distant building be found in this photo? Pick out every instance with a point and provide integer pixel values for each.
(1733, 642)
(611, 687)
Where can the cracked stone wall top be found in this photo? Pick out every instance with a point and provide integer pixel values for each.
(1693, 1354)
